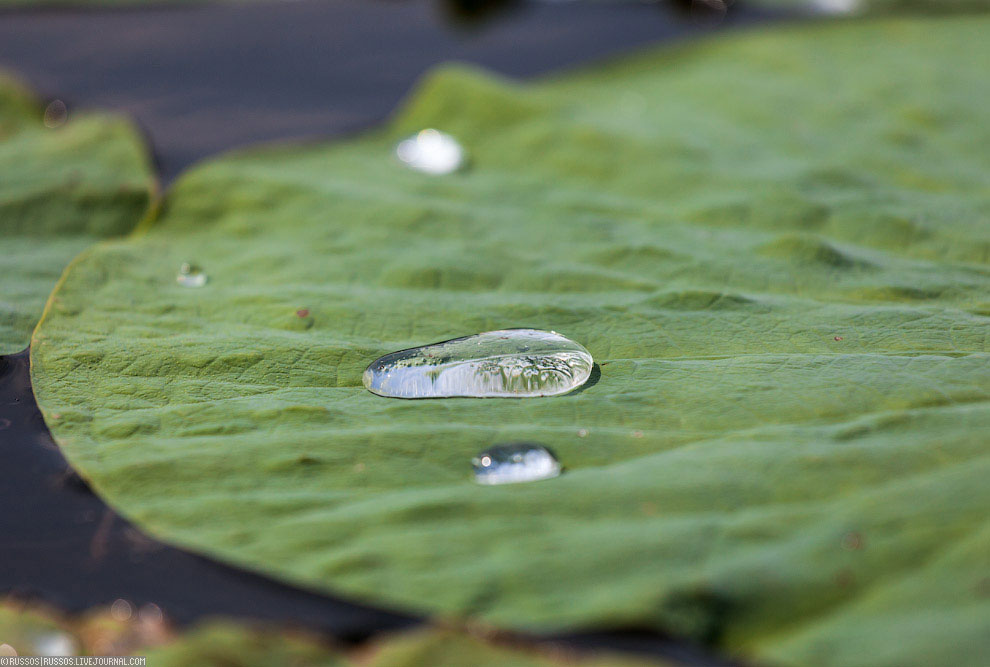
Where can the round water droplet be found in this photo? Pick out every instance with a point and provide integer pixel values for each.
(56, 113)
(121, 610)
(150, 613)
(55, 644)
(511, 363)
(190, 275)
(431, 152)
(513, 463)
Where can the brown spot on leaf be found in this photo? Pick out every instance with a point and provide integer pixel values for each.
(852, 541)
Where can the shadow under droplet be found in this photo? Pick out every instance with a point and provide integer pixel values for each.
(593, 378)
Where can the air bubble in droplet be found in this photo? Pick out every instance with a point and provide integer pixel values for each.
(190, 275)
(432, 152)
(510, 363)
(513, 463)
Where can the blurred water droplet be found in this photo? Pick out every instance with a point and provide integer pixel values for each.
(7, 651)
(190, 275)
(431, 152)
(121, 610)
(513, 463)
(56, 644)
(836, 6)
(56, 113)
(150, 613)
(507, 363)
(582, 433)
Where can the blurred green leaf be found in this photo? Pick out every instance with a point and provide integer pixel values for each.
(66, 180)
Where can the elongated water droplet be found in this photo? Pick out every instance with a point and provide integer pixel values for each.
(191, 275)
(432, 152)
(510, 363)
(515, 462)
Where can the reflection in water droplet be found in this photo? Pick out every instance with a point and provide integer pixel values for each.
(508, 363)
(191, 275)
(56, 113)
(55, 644)
(432, 152)
(516, 462)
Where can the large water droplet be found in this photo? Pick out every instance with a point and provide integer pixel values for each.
(510, 363)
(515, 462)
(432, 152)
(190, 275)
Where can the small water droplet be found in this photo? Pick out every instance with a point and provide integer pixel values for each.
(513, 463)
(56, 113)
(510, 363)
(190, 275)
(582, 433)
(431, 152)
(121, 610)
(55, 644)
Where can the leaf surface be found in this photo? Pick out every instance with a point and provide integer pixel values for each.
(775, 246)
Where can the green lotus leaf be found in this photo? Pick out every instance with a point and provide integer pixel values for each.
(445, 648)
(776, 247)
(65, 182)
